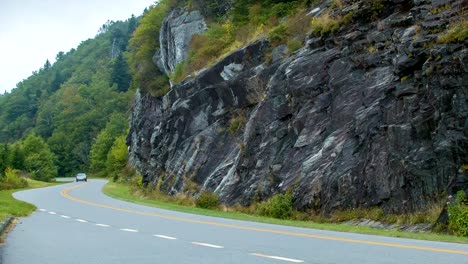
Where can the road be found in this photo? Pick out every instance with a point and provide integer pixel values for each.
(76, 223)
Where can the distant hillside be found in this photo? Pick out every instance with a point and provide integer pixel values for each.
(70, 102)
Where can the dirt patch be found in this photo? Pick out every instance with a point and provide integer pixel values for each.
(7, 230)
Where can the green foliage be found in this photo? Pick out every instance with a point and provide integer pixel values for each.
(261, 12)
(294, 45)
(237, 123)
(4, 163)
(120, 75)
(116, 126)
(324, 25)
(456, 33)
(143, 45)
(69, 102)
(375, 214)
(12, 180)
(207, 200)
(117, 156)
(279, 206)
(162, 82)
(458, 215)
(15, 156)
(377, 7)
(39, 160)
(249, 20)
(440, 9)
(278, 35)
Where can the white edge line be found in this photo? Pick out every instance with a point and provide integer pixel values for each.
(129, 230)
(81, 220)
(165, 237)
(64, 216)
(276, 257)
(103, 225)
(42, 210)
(207, 245)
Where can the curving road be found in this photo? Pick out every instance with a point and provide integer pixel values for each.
(76, 223)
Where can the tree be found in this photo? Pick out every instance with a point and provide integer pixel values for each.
(16, 157)
(3, 158)
(116, 126)
(117, 156)
(143, 45)
(120, 75)
(132, 25)
(39, 160)
(47, 65)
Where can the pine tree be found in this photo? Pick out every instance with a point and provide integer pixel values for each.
(120, 75)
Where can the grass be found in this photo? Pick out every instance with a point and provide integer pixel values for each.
(11, 206)
(123, 192)
(457, 33)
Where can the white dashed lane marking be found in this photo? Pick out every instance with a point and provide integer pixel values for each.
(278, 258)
(165, 237)
(129, 230)
(103, 225)
(207, 245)
(173, 238)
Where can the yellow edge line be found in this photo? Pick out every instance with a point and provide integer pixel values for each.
(65, 194)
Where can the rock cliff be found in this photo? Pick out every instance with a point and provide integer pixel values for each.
(374, 115)
(176, 32)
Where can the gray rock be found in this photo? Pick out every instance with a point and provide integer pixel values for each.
(232, 70)
(176, 33)
(157, 60)
(279, 53)
(350, 129)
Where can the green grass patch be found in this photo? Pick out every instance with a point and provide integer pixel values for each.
(124, 192)
(324, 25)
(456, 33)
(11, 206)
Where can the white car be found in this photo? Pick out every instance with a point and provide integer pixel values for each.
(81, 177)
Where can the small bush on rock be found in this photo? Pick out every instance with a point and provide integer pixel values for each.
(456, 33)
(207, 200)
(279, 206)
(458, 215)
(324, 25)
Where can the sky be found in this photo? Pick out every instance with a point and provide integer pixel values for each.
(32, 31)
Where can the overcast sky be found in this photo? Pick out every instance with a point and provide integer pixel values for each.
(32, 31)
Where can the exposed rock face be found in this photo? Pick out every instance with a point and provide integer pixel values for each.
(175, 36)
(339, 123)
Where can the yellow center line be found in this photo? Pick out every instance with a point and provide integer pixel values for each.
(65, 193)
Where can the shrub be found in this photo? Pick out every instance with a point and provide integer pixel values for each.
(458, 215)
(117, 156)
(324, 25)
(294, 45)
(456, 33)
(237, 123)
(144, 43)
(12, 180)
(160, 85)
(278, 35)
(279, 206)
(207, 200)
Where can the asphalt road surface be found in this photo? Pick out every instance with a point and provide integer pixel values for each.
(76, 223)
